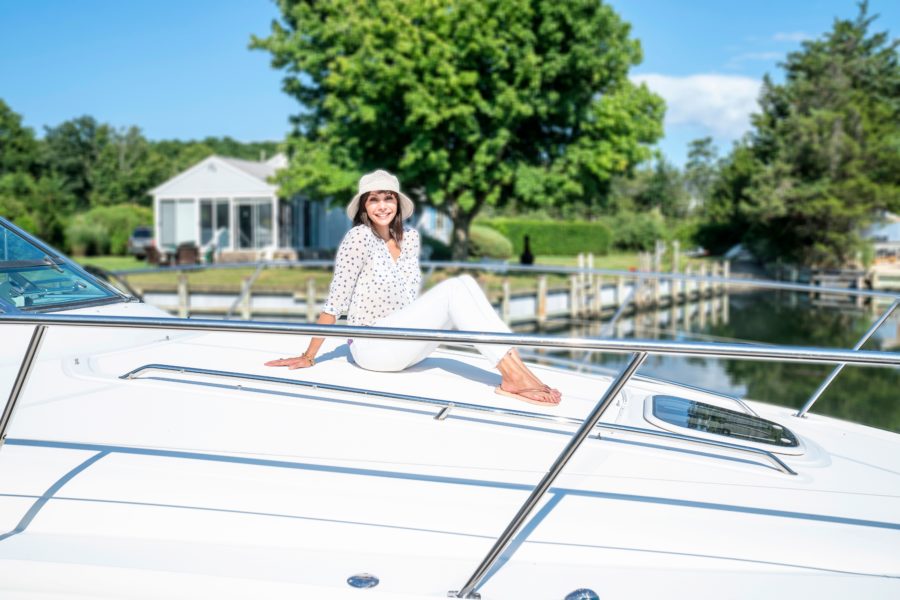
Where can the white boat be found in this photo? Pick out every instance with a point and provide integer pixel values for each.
(151, 457)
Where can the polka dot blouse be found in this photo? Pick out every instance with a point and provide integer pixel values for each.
(367, 283)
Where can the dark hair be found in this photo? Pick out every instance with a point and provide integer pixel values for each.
(396, 226)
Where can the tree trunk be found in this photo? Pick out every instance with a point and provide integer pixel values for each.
(459, 240)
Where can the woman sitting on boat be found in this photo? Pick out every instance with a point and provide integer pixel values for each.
(376, 283)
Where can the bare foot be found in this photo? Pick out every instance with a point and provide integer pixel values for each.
(520, 383)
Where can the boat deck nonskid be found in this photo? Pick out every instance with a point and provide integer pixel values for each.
(248, 481)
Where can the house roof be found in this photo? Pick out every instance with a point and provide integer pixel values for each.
(224, 175)
(260, 170)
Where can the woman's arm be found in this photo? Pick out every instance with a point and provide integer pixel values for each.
(351, 256)
(308, 358)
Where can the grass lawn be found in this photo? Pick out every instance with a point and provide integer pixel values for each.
(112, 263)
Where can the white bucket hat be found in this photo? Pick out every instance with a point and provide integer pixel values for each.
(380, 181)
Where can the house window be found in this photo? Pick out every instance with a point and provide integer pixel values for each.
(253, 221)
(176, 222)
(214, 222)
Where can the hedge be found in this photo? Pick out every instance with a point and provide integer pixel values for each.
(553, 238)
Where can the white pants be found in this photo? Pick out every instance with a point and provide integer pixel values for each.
(456, 303)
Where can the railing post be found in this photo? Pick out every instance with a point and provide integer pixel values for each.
(824, 385)
(519, 519)
(34, 346)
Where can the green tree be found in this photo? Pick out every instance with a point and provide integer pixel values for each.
(126, 168)
(40, 206)
(700, 171)
(19, 152)
(826, 142)
(473, 103)
(725, 221)
(71, 151)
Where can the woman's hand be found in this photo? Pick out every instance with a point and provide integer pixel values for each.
(296, 362)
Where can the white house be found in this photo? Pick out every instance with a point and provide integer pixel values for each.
(234, 204)
(885, 238)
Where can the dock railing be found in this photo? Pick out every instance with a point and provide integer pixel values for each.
(639, 349)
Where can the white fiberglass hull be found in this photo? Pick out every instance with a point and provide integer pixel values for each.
(184, 486)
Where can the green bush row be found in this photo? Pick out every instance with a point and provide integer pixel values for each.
(554, 238)
(105, 229)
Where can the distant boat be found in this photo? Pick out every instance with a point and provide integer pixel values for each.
(150, 457)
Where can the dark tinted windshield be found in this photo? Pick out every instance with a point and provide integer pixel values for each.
(30, 278)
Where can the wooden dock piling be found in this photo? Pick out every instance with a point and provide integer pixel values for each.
(246, 299)
(184, 297)
(311, 300)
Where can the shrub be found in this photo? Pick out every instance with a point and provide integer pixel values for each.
(485, 242)
(105, 229)
(559, 238)
(637, 231)
(85, 237)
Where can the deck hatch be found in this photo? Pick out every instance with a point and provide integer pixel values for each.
(716, 420)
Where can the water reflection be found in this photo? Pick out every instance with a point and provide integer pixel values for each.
(864, 395)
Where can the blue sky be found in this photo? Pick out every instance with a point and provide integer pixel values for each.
(181, 69)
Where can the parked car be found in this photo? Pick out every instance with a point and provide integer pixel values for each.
(141, 239)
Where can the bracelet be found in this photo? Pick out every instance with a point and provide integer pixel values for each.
(312, 361)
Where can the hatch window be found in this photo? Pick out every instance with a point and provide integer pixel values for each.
(716, 420)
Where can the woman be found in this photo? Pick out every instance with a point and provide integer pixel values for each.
(376, 283)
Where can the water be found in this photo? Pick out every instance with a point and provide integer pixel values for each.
(866, 395)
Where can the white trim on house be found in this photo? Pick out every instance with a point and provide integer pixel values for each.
(259, 185)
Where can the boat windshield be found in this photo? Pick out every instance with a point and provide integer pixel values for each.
(35, 278)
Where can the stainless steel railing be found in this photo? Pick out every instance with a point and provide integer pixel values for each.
(637, 275)
(638, 348)
(445, 407)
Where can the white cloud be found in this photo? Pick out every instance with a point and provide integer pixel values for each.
(791, 36)
(719, 104)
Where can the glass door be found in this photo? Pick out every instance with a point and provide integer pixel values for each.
(245, 229)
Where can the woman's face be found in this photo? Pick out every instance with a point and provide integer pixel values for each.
(381, 207)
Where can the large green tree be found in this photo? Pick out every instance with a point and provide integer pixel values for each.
(71, 151)
(19, 151)
(827, 146)
(472, 103)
